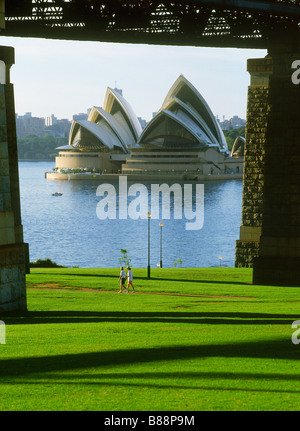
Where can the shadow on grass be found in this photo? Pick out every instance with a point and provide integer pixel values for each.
(181, 280)
(173, 380)
(268, 349)
(213, 318)
(177, 375)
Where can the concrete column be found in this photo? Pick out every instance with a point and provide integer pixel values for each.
(278, 261)
(247, 247)
(14, 254)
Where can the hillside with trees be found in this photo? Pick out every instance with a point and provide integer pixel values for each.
(231, 135)
(39, 148)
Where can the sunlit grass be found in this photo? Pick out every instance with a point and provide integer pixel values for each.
(211, 341)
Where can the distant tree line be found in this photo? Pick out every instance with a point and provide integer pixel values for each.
(33, 147)
(231, 135)
(45, 263)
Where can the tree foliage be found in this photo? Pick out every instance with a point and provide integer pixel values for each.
(125, 259)
(45, 263)
(231, 135)
(39, 148)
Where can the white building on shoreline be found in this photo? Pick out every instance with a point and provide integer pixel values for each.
(183, 138)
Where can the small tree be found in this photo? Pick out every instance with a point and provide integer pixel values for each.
(124, 260)
(179, 261)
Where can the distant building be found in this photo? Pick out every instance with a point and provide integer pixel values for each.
(28, 125)
(237, 122)
(226, 125)
(50, 121)
(143, 122)
(233, 123)
(60, 129)
(26, 116)
(80, 117)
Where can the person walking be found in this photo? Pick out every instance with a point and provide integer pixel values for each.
(122, 279)
(129, 280)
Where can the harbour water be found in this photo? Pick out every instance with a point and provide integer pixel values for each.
(66, 228)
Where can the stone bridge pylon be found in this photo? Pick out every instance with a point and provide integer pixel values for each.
(270, 229)
(14, 255)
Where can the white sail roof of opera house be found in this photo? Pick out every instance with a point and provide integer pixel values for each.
(119, 126)
(88, 136)
(238, 147)
(184, 120)
(115, 104)
(113, 127)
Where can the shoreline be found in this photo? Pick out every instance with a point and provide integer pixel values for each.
(55, 176)
(36, 160)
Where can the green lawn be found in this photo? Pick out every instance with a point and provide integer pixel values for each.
(189, 339)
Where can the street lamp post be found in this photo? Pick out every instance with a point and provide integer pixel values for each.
(161, 226)
(220, 258)
(148, 268)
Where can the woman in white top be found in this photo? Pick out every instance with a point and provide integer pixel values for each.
(122, 279)
(129, 280)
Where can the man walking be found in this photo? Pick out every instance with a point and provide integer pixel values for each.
(129, 280)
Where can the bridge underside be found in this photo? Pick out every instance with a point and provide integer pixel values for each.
(218, 23)
(270, 232)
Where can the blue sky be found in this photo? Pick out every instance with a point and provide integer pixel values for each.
(68, 77)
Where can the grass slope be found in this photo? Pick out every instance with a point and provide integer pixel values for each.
(190, 339)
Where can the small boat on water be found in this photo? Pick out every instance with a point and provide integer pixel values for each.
(56, 194)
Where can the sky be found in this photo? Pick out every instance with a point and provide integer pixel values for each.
(68, 77)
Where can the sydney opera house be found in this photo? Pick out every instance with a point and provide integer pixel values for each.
(183, 138)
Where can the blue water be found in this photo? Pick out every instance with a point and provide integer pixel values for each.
(67, 230)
